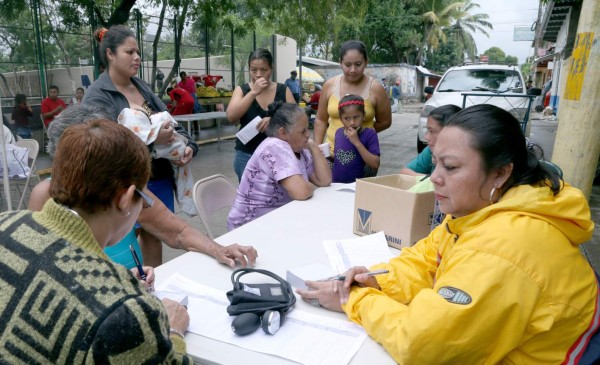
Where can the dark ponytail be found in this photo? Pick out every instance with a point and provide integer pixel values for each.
(111, 39)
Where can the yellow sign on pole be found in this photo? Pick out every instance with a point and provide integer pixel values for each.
(579, 61)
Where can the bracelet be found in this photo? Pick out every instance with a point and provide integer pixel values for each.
(177, 332)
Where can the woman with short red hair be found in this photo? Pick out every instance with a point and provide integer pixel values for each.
(58, 289)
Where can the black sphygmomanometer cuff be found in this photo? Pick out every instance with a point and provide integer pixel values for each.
(272, 296)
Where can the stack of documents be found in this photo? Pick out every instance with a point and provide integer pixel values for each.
(363, 251)
(305, 338)
(343, 254)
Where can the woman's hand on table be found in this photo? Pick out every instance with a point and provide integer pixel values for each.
(356, 276)
(165, 134)
(333, 293)
(263, 124)
(149, 282)
(322, 294)
(187, 157)
(229, 255)
(179, 318)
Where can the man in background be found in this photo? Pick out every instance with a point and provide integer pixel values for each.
(188, 84)
(294, 85)
(181, 101)
(312, 104)
(396, 94)
(160, 76)
(52, 105)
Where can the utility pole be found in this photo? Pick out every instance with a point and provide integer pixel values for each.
(537, 43)
(577, 146)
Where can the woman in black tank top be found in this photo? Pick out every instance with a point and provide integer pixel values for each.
(251, 100)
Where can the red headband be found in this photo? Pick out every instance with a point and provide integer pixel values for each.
(101, 34)
(350, 102)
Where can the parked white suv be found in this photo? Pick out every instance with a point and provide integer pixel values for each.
(499, 85)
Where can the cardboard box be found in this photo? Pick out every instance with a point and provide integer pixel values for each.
(384, 204)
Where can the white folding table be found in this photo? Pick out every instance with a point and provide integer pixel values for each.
(288, 237)
(189, 118)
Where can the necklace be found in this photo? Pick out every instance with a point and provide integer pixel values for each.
(72, 211)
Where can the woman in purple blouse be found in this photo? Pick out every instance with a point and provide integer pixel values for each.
(283, 168)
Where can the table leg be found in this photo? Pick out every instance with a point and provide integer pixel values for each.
(218, 134)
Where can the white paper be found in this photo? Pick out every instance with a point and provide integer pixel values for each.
(249, 131)
(347, 187)
(363, 251)
(305, 338)
(298, 275)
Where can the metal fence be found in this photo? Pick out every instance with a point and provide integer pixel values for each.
(44, 53)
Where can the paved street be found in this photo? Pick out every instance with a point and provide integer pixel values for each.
(398, 146)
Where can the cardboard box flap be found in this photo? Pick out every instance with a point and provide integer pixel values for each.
(403, 182)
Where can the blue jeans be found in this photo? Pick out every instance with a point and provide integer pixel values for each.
(197, 106)
(24, 132)
(239, 163)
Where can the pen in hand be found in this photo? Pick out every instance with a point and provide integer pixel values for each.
(341, 277)
(138, 264)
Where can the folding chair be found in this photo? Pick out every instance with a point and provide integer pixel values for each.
(211, 195)
(34, 148)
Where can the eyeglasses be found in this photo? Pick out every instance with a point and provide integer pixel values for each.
(147, 201)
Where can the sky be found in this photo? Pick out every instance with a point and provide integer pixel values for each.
(504, 16)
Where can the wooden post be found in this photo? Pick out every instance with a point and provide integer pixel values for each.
(577, 145)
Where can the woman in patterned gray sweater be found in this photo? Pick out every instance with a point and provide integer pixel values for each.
(62, 300)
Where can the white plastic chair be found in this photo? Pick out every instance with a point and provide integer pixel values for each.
(34, 148)
(211, 195)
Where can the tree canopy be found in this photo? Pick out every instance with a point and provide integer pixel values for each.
(436, 33)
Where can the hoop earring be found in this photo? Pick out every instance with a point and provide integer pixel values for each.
(491, 198)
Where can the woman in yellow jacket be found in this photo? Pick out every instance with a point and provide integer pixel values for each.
(502, 279)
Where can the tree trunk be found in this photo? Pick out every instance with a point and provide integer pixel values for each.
(419, 57)
(179, 33)
(155, 50)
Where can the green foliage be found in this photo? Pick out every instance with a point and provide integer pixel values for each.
(445, 56)
(497, 55)
(389, 31)
(525, 69)
(511, 60)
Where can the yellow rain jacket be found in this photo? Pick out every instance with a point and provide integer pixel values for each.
(506, 284)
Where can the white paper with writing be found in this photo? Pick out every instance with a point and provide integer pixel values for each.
(363, 251)
(249, 131)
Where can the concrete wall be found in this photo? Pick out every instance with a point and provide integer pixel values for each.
(285, 58)
(68, 80)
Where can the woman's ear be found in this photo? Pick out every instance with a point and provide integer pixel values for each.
(124, 201)
(109, 54)
(282, 134)
(503, 174)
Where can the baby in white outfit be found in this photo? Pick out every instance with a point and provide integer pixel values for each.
(147, 130)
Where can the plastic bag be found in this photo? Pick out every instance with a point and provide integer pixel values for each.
(17, 159)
